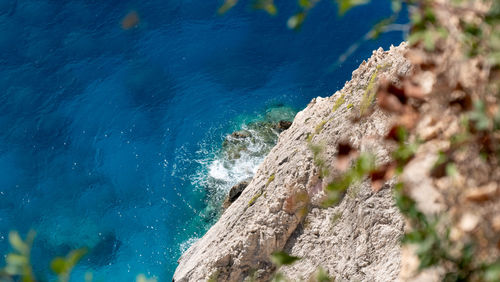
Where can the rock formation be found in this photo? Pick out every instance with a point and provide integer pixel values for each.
(359, 239)
(234, 193)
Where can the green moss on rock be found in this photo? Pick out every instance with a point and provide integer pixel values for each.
(254, 199)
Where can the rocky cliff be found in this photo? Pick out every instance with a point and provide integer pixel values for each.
(280, 209)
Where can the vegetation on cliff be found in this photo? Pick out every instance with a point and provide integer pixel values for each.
(446, 111)
(445, 139)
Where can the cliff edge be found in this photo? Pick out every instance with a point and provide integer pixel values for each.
(358, 239)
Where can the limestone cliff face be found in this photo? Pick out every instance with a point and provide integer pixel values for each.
(356, 240)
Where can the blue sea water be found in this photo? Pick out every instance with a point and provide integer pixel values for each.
(107, 134)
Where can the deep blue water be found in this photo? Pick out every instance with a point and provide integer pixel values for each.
(106, 133)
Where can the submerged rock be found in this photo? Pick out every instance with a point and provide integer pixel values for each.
(235, 192)
(241, 153)
(357, 240)
(284, 125)
(256, 138)
(241, 134)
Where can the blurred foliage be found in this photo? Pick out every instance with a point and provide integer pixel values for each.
(266, 5)
(18, 264)
(346, 5)
(296, 20)
(143, 278)
(62, 266)
(319, 161)
(337, 188)
(322, 276)
(431, 235)
(428, 234)
(281, 258)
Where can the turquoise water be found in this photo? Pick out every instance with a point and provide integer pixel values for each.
(110, 136)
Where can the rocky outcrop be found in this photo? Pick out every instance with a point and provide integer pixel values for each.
(234, 193)
(356, 240)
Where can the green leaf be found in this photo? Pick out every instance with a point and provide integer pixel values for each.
(228, 5)
(143, 278)
(378, 28)
(396, 6)
(75, 256)
(413, 237)
(62, 266)
(346, 5)
(266, 5)
(479, 116)
(451, 170)
(365, 164)
(494, 58)
(281, 258)
(322, 276)
(305, 4)
(16, 260)
(405, 152)
(59, 266)
(429, 40)
(30, 238)
(415, 37)
(17, 243)
(492, 272)
(279, 277)
(296, 21)
(13, 269)
(271, 9)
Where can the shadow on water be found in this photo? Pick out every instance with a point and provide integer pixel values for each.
(149, 85)
(105, 251)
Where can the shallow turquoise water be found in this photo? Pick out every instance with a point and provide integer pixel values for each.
(108, 136)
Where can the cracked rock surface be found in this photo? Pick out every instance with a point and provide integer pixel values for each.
(358, 239)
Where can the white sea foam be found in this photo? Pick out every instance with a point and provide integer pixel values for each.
(216, 170)
(239, 158)
(223, 172)
(188, 243)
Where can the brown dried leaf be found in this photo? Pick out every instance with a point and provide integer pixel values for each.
(439, 169)
(377, 185)
(130, 20)
(462, 99)
(394, 133)
(379, 176)
(342, 163)
(344, 154)
(416, 57)
(399, 92)
(413, 90)
(389, 102)
(344, 149)
(483, 193)
(419, 58)
(409, 118)
(495, 223)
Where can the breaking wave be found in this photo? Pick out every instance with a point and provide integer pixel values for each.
(240, 155)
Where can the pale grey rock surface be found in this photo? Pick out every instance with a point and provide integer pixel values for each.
(356, 240)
